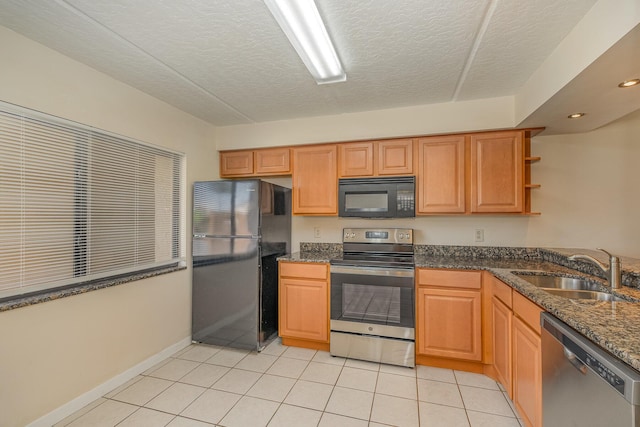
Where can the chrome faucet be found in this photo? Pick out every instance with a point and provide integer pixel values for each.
(613, 271)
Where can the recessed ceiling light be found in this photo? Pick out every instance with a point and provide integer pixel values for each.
(629, 83)
(301, 22)
(575, 115)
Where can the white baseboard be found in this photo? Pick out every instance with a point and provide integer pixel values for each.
(83, 400)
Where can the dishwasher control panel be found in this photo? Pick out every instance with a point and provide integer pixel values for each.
(607, 374)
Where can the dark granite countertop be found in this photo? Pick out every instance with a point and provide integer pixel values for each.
(614, 326)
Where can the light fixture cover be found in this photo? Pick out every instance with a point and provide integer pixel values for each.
(629, 83)
(301, 22)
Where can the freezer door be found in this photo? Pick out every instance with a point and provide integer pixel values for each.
(226, 208)
(226, 280)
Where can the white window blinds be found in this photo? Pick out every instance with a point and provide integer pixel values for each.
(78, 204)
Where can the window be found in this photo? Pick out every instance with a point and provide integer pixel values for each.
(79, 204)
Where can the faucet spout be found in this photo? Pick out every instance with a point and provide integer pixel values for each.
(613, 271)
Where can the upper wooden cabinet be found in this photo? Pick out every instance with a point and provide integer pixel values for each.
(356, 159)
(395, 157)
(441, 174)
(243, 163)
(497, 172)
(272, 161)
(474, 173)
(236, 163)
(314, 181)
(376, 158)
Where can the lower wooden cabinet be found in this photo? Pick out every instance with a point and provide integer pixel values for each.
(527, 373)
(449, 320)
(527, 360)
(303, 309)
(501, 303)
(501, 324)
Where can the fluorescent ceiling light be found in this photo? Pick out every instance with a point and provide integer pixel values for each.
(301, 22)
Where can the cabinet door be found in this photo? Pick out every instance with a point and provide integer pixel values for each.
(236, 163)
(356, 159)
(395, 157)
(497, 172)
(527, 373)
(315, 182)
(449, 323)
(273, 161)
(441, 174)
(501, 318)
(303, 309)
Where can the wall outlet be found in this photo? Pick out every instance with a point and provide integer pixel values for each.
(316, 232)
(479, 235)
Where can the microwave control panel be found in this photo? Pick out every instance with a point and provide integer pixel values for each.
(406, 201)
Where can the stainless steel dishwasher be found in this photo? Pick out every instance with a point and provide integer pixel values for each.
(583, 385)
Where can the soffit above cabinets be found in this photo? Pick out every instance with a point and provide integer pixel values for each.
(229, 63)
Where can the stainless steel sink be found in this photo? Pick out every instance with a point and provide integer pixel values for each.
(584, 295)
(568, 287)
(559, 282)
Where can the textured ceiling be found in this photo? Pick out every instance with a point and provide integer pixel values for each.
(228, 62)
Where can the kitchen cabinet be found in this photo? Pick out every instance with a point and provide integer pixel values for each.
(236, 163)
(395, 157)
(375, 158)
(355, 159)
(501, 332)
(516, 350)
(248, 163)
(497, 172)
(314, 180)
(303, 308)
(272, 161)
(441, 174)
(449, 323)
(527, 360)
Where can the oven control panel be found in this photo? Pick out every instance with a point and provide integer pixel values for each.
(378, 235)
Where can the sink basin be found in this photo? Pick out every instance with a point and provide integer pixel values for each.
(584, 295)
(568, 287)
(559, 282)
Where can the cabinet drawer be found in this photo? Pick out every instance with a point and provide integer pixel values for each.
(502, 291)
(450, 278)
(303, 269)
(527, 311)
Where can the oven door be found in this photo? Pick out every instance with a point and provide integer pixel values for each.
(373, 300)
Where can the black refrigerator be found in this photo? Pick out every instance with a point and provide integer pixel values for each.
(240, 227)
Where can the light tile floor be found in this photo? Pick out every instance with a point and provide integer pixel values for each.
(283, 386)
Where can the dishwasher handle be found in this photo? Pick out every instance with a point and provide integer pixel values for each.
(573, 359)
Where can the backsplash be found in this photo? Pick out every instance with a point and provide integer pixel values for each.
(490, 252)
(327, 250)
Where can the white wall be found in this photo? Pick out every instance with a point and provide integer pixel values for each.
(493, 113)
(51, 353)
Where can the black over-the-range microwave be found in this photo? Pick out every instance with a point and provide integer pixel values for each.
(391, 197)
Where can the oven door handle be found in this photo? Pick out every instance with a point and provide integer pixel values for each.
(373, 271)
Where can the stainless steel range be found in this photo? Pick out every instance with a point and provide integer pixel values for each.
(372, 296)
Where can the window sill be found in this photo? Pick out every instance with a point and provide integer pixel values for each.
(54, 294)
